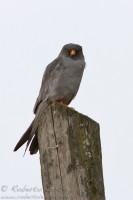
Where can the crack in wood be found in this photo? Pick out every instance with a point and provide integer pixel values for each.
(52, 113)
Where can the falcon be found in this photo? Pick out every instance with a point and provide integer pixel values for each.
(60, 83)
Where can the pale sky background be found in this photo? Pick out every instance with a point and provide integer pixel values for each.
(32, 34)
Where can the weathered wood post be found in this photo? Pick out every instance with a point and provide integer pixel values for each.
(70, 155)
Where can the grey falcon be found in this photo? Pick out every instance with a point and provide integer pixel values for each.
(60, 83)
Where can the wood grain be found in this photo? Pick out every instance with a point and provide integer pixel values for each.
(70, 155)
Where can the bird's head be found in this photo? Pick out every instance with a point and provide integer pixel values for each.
(73, 51)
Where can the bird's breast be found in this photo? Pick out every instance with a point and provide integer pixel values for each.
(66, 81)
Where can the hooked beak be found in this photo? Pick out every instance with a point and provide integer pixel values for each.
(73, 52)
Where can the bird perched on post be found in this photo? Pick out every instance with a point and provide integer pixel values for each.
(60, 83)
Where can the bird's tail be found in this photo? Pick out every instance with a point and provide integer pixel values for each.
(31, 133)
(27, 137)
(24, 138)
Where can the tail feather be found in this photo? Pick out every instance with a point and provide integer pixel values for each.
(30, 136)
(34, 145)
(24, 138)
(34, 128)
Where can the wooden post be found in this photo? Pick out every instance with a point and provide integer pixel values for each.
(70, 155)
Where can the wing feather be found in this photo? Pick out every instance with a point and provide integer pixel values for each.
(43, 93)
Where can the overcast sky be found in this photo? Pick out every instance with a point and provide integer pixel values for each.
(32, 34)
